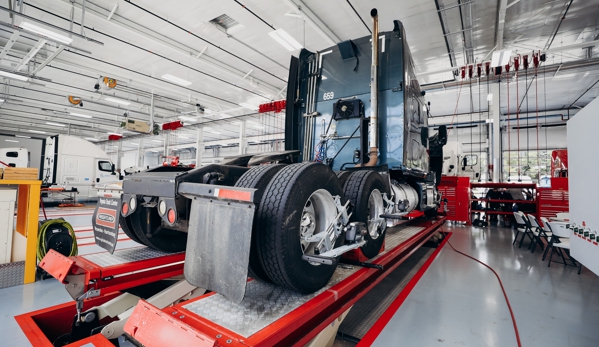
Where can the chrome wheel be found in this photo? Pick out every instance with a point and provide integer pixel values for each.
(318, 213)
(376, 208)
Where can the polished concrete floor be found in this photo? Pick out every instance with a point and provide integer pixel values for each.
(459, 302)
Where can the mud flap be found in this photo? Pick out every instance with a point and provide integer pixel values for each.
(219, 237)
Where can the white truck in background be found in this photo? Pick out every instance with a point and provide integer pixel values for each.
(458, 163)
(15, 157)
(72, 162)
(68, 162)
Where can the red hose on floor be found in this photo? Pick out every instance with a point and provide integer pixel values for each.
(502, 289)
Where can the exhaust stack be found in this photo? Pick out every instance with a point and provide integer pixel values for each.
(374, 91)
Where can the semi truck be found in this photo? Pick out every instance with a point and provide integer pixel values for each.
(68, 162)
(358, 158)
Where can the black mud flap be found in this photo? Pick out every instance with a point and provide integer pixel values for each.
(219, 235)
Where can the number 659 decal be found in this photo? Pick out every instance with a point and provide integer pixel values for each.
(328, 96)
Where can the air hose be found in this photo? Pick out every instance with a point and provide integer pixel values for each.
(41, 240)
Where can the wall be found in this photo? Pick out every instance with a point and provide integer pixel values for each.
(34, 146)
(583, 167)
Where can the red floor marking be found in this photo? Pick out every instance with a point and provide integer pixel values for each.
(380, 324)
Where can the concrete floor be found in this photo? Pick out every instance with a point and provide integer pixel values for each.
(456, 302)
(459, 302)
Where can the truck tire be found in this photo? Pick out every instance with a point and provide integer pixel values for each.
(125, 223)
(295, 189)
(162, 239)
(257, 177)
(342, 176)
(361, 190)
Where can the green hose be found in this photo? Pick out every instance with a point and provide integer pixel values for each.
(41, 244)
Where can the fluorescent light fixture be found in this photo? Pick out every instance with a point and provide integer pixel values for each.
(251, 107)
(80, 115)
(488, 120)
(295, 15)
(135, 144)
(184, 137)
(14, 76)
(156, 141)
(48, 33)
(501, 58)
(177, 80)
(490, 97)
(2, 100)
(117, 101)
(91, 139)
(36, 131)
(11, 140)
(283, 38)
(25, 137)
(55, 124)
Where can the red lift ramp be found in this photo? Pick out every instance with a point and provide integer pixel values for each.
(109, 273)
(270, 315)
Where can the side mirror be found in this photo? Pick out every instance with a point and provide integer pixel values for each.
(113, 168)
(424, 136)
(443, 134)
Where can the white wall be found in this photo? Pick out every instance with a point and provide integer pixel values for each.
(34, 146)
(583, 168)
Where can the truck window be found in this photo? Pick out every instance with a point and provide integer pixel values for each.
(105, 166)
(12, 154)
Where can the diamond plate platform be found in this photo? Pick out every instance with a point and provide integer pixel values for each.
(12, 274)
(124, 256)
(264, 303)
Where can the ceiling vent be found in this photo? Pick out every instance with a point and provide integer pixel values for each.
(225, 24)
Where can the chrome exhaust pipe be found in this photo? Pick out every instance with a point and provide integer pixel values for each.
(374, 91)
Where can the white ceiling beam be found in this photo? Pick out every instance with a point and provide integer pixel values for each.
(48, 60)
(32, 52)
(11, 41)
(500, 24)
(313, 20)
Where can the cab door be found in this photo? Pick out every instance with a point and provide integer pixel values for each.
(104, 173)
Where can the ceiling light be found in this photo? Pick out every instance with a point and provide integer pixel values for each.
(91, 139)
(11, 140)
(117, 101)
(2, 100)
(55, 124)
(80, 115)
(156, 141)
(48, 33)
(15, 76)
(25, 137)
(283, 38)
(184, 137)
(37, 131)
(135, 144)
(251, 107)
(177, 80)
(501, 58)
(295, 15)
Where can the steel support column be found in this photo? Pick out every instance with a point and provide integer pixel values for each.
(495, 116)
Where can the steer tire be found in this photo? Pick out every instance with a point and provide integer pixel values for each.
(279, 217)
(257, 177)
(357, 190)
(125, 223)
(162, 239)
